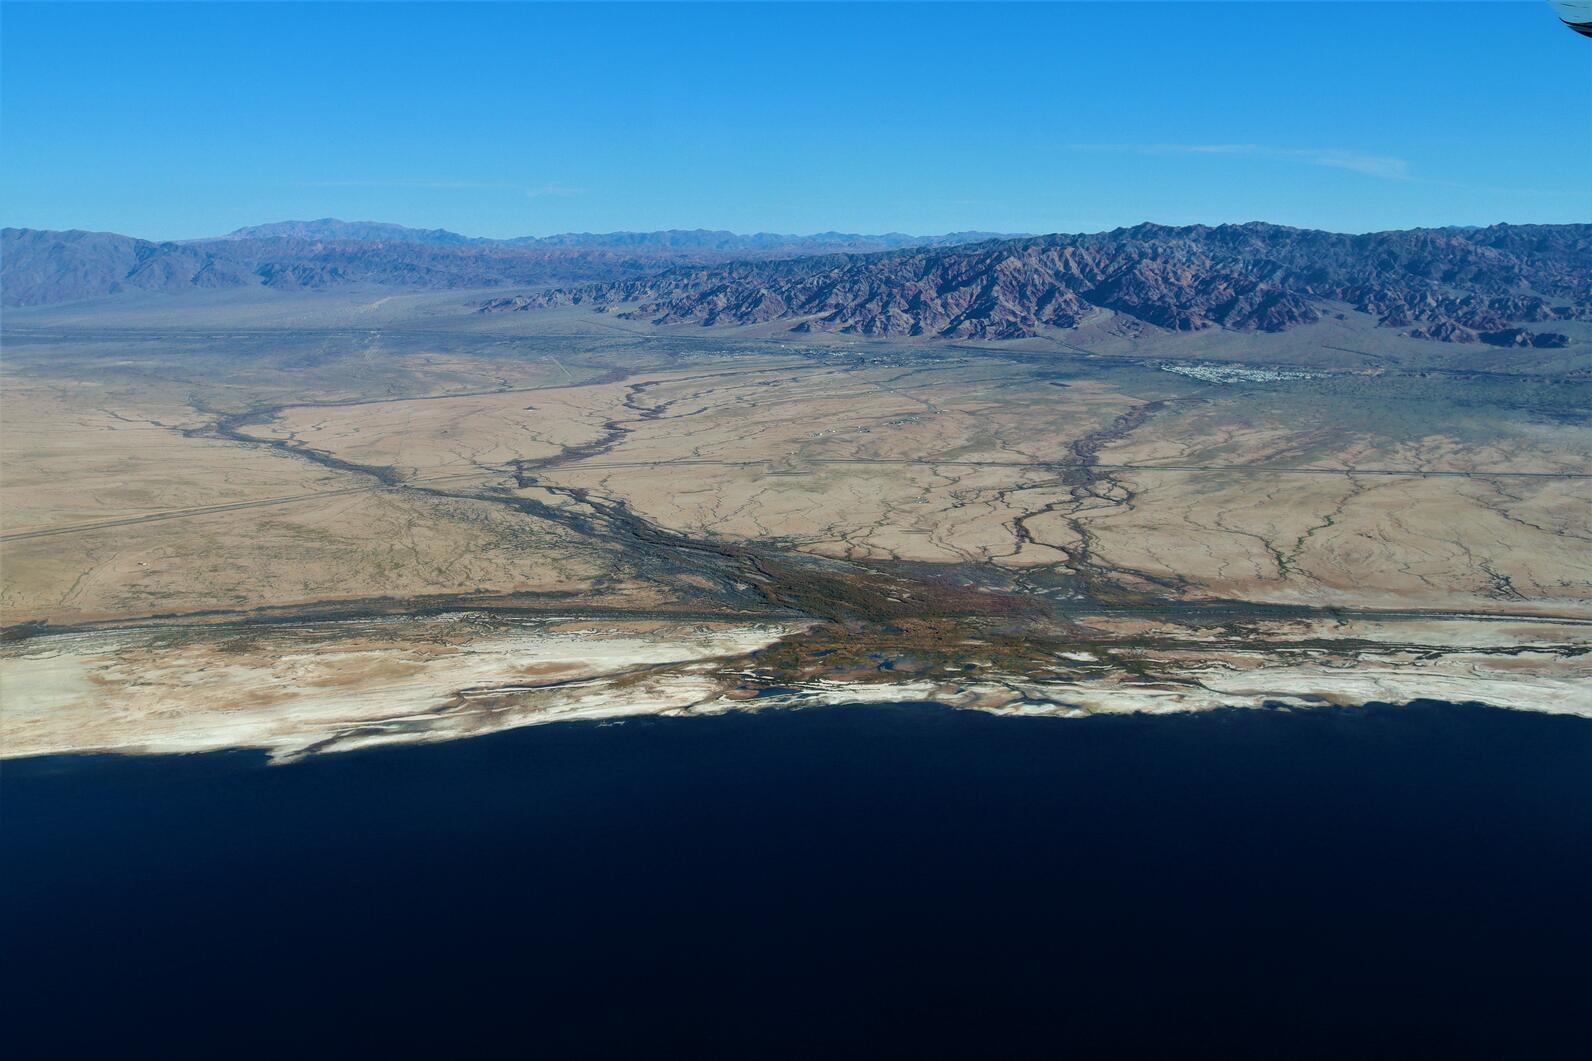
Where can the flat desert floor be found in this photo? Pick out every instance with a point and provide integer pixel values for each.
(316, 522)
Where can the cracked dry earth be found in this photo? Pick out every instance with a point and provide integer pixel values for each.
(463, 539)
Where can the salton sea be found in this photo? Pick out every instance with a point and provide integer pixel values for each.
(899, 880)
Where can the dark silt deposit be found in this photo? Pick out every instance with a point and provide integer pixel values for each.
(897, 880)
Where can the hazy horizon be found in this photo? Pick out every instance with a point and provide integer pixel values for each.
(763, 232)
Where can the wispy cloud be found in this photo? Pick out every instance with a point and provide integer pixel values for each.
(1382, 166)
(553, 191)
(535, 191)
(437, 185)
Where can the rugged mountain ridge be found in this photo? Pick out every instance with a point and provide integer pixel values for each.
(39, 266)
(1452, 284)
(667, 241)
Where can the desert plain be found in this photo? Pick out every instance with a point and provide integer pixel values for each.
(316, 522)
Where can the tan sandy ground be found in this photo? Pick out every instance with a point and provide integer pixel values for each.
(946, 463)
(115, 510)
(80, 453)
(112, 511)
(885, 463)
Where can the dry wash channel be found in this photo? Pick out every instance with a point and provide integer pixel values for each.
(631, 525)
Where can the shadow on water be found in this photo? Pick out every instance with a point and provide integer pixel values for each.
(897, 880)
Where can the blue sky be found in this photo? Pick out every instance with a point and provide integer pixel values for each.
(178, 121)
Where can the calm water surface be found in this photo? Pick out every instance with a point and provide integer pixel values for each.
(881, 881)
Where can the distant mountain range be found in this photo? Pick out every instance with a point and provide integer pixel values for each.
(1451, 284)
(39, 267)
(331, 229)
(667, 241)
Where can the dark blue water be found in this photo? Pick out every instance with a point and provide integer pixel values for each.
(859, 881)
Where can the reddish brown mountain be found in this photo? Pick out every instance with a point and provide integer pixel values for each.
(1439, 283)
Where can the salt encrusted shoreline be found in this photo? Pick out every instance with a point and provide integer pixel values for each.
(339, 686)
(293, 689)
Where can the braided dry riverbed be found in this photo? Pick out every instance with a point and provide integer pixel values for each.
(455, 533)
